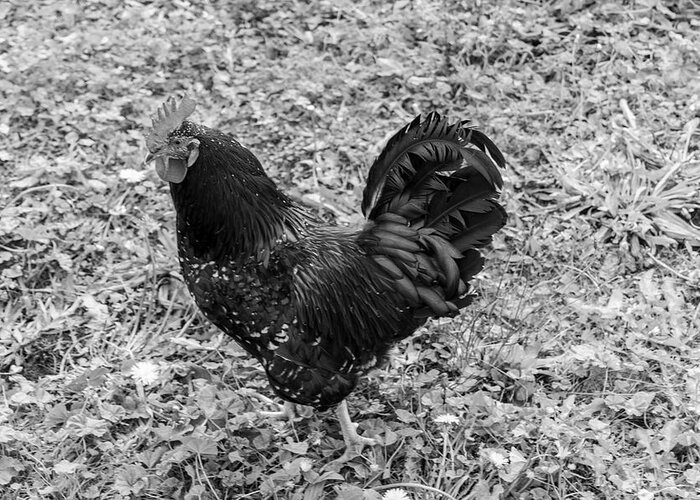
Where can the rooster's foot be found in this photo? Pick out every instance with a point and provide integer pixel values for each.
(354, 443)
(285, 412)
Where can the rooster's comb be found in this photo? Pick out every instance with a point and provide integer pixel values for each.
(168, 118)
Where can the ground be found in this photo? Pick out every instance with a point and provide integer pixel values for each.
(575, 373)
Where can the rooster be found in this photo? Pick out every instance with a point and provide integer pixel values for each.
(320, 306)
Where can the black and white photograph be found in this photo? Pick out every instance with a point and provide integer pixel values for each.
(339, 250)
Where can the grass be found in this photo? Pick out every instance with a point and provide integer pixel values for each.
(575, 373)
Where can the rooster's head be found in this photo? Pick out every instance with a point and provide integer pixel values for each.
(169, 144)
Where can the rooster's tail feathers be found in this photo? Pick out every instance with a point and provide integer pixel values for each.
(431, 202)
(408, 166)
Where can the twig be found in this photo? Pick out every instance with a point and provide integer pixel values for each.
(443, 464)
(631, 119)
(673, 271)
(662, 183)
(689, 130)
(206, 476)
(131, 283)
(33, 189)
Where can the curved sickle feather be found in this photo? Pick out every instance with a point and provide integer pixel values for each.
(432, 137)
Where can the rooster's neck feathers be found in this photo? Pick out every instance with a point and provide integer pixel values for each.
(227, 206)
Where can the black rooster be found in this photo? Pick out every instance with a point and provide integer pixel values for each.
(320, 306)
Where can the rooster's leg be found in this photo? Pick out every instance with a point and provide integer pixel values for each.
(353, 441)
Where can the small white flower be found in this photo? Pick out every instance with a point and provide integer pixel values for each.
(145, 372)
(396, 494)
(446, 418)
(132, 176)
